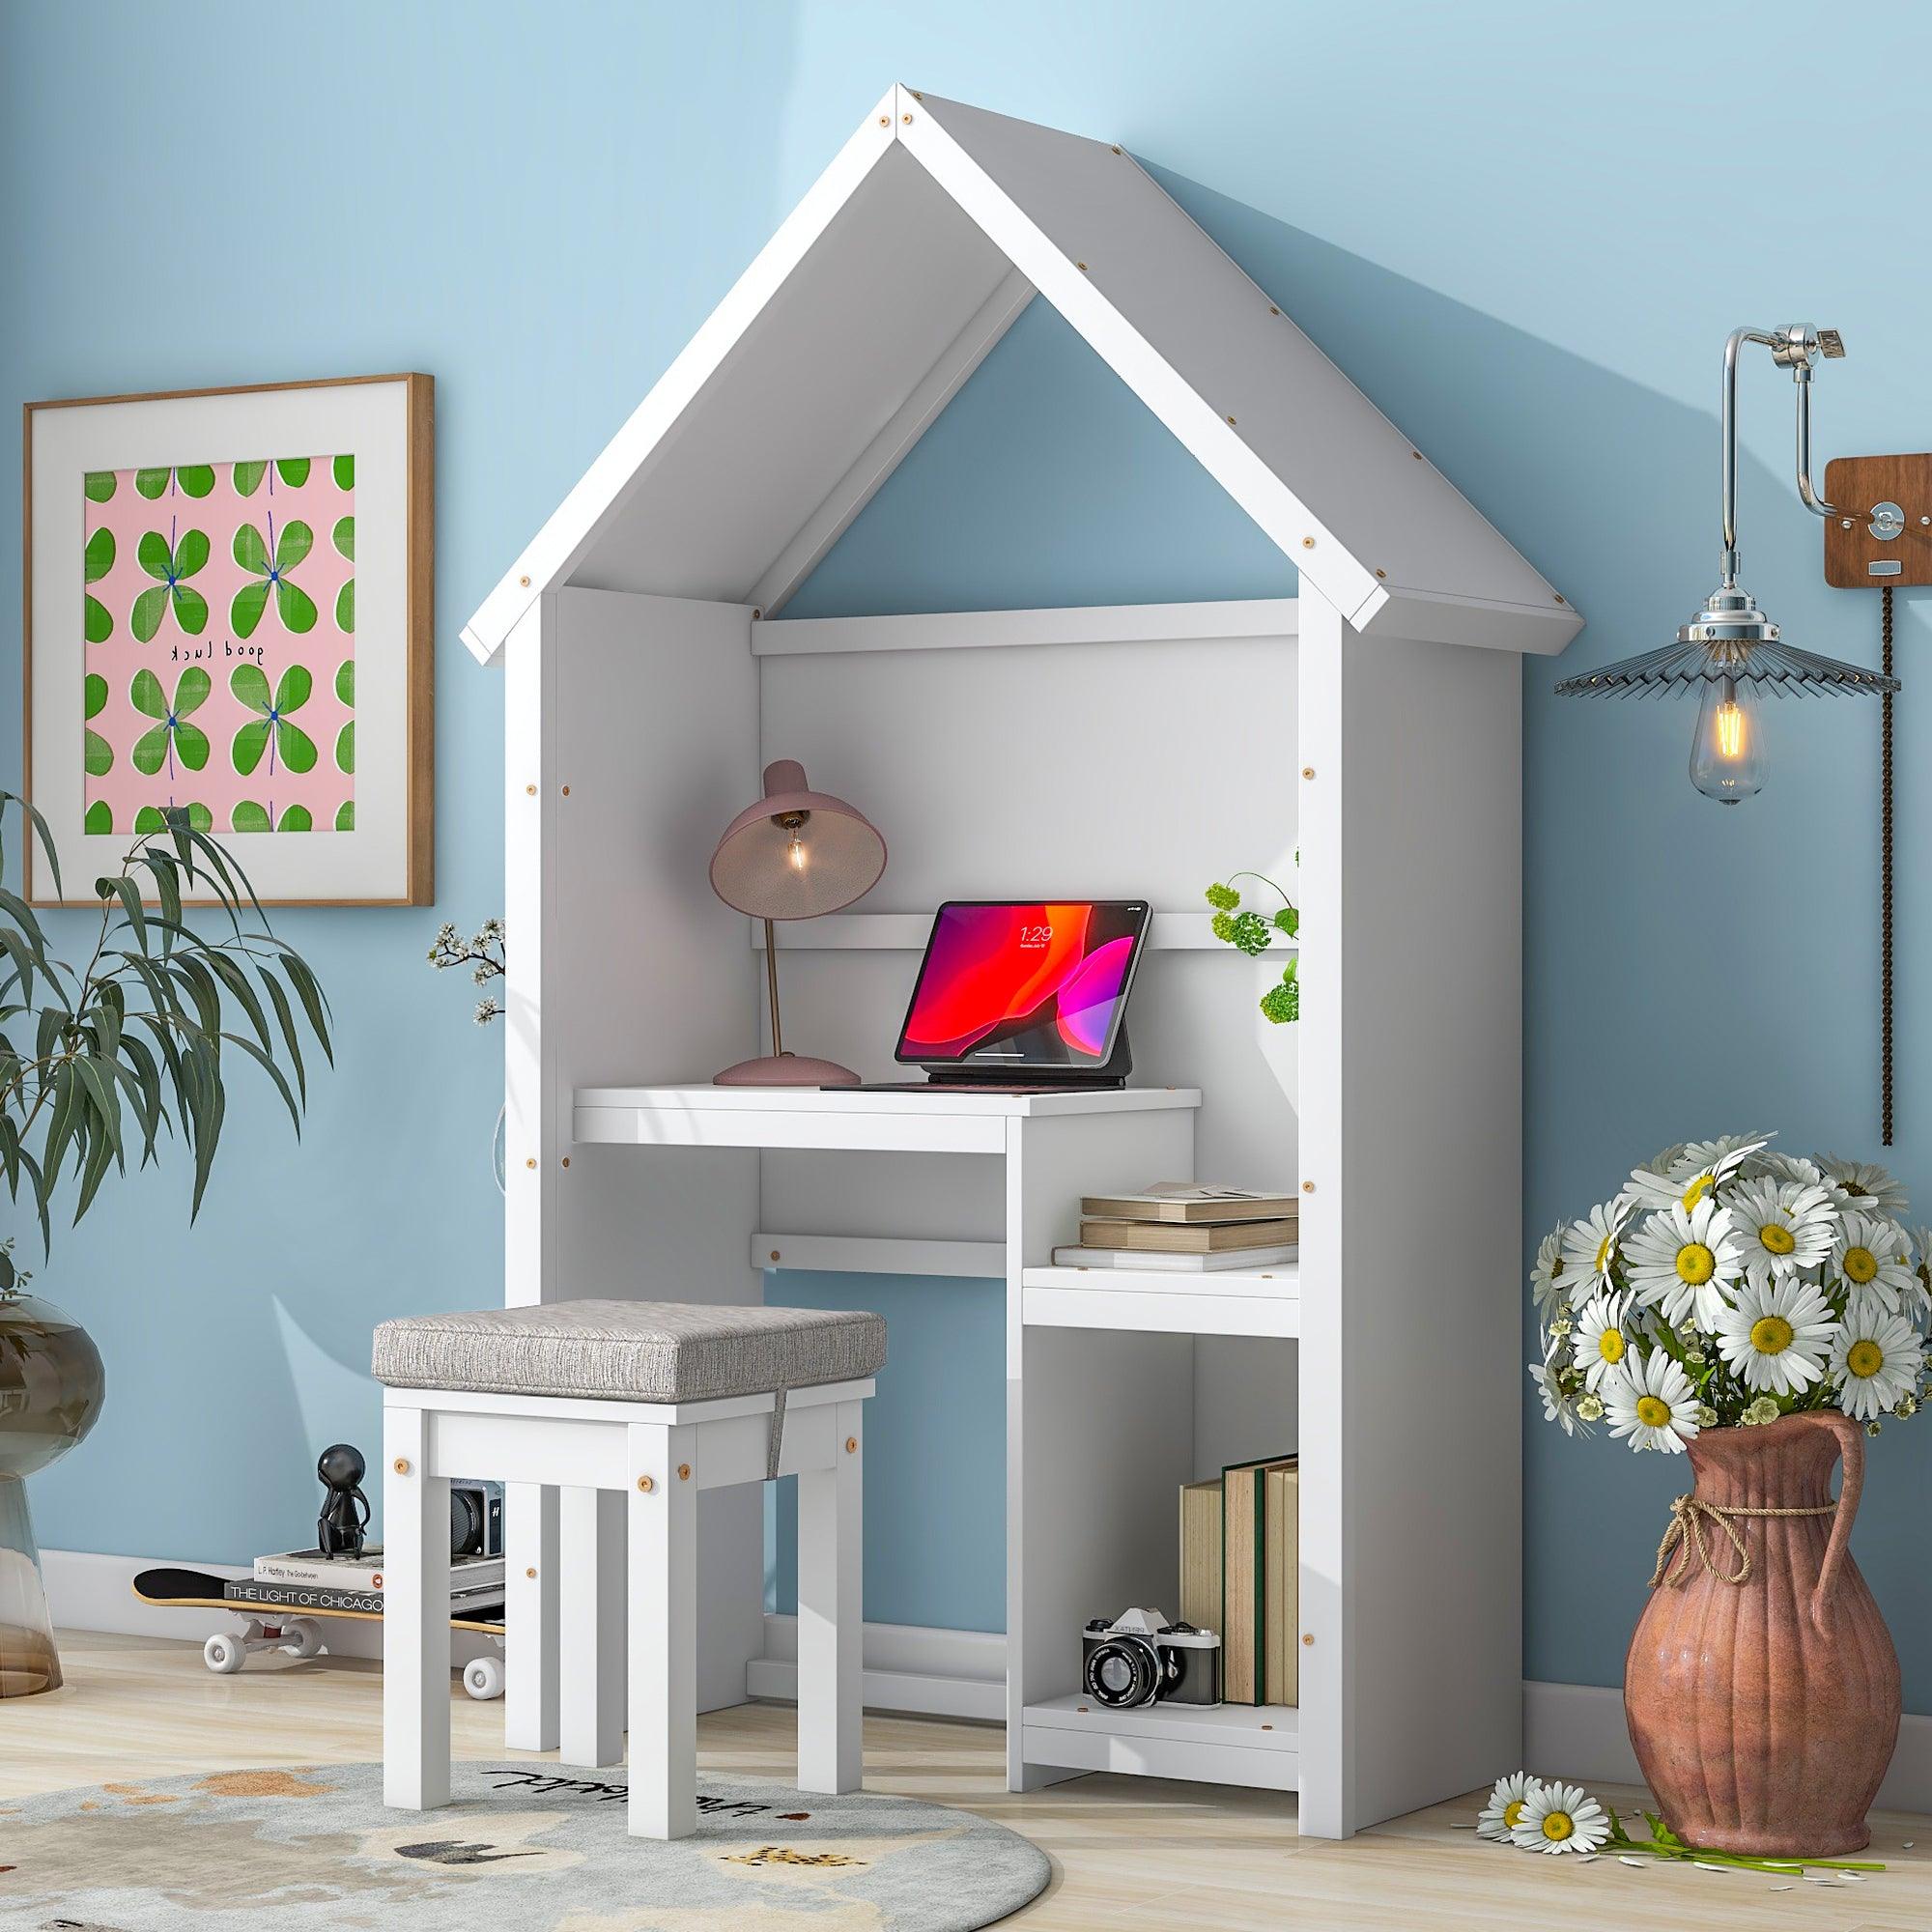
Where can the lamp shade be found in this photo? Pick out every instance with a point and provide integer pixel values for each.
(797, 853)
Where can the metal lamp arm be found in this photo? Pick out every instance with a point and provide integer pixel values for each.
(1807, 495)
(1794, 348)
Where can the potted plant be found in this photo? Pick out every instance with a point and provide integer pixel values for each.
(1762, 1315)
(96, 1064)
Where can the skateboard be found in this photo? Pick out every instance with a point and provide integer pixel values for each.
(299, 1633)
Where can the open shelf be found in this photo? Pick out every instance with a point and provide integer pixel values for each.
(1256, 1744)
(1157, 1302)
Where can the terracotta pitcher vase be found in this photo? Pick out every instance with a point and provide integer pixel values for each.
(1761, 1687)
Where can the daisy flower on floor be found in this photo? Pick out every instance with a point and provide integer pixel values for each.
(1650, 1399)
(1876, 1361)
(1777, 1335)
(1873, 1257)
(1684, 1261)
(1864, 1183)
(1589, 1248)
(1600, 1343)
(1500, 1814)
(1785, 1224)
(1560, 1818)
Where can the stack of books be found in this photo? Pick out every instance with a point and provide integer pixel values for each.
(1184, 1227)
(1240, 1556)
(306, 1580)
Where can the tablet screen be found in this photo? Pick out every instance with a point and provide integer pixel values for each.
(1024, 983)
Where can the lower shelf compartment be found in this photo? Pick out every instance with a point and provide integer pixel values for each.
(1255, 1745)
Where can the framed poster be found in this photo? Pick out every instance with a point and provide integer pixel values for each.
(229, 611)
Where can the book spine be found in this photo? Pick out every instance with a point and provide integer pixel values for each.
(321, 1575)
(301, 1596)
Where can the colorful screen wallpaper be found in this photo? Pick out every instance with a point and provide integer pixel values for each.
(1037, 984)
(219, 649)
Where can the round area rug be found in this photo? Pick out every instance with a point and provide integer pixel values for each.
(520, 1845)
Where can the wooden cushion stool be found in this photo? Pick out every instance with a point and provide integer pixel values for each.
(630, 1406)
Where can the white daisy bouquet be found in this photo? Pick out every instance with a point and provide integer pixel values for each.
(1730, 1284)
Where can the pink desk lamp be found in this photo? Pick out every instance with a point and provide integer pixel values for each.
(795, 854)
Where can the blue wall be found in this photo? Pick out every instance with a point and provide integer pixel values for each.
(1499, 218)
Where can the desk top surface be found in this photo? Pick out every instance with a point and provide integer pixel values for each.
(849, 1101)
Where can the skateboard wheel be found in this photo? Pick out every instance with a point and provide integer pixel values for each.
(483, 1678)
(223, 1654)
(303, 1637)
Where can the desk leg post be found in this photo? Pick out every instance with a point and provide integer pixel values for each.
(416, 1618)
(831, 1613)
(662, 1690)
(529, 1617)
(591, 1626)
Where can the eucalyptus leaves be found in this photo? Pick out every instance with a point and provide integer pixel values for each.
(97, 1063)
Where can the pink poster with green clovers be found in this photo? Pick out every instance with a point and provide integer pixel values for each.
(220, 645)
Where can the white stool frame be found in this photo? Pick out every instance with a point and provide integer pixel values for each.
(619, 1471)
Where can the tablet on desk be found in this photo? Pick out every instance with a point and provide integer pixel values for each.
(1026, 994)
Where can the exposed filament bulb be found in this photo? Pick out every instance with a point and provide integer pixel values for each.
(795, 852)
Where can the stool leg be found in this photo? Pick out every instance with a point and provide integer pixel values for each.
(591, 1626)
(664, 1632)
(416, 1618)
(529, 1617)
(831, 1615)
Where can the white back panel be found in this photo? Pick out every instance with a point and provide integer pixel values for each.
(1068, 770)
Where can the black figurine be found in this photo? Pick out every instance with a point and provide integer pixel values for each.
(345, 1516)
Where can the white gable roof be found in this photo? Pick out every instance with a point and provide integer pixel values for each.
(864, 315)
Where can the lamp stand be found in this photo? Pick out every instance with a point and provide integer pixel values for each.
(779, 1068)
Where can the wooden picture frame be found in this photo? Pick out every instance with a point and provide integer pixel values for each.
(206, 518)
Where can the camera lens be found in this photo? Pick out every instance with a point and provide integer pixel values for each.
(1122, 1673)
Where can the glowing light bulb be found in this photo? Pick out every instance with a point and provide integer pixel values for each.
(1728, 755)
(795, 852)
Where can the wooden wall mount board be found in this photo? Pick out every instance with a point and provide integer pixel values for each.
(1858, 485)
(185, 505)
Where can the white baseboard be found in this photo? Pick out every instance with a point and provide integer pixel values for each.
(1570, 1730)
(1578, 1731)
(87, 1592)
(936, 1674)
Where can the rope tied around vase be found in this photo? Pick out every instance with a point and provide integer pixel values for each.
(1685, 1532)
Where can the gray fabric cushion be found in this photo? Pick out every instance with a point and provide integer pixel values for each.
(630, 1350)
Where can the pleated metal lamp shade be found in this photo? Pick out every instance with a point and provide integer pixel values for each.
(795, 854)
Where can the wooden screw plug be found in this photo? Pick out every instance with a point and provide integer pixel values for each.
(645, 1484)
(402, 1466)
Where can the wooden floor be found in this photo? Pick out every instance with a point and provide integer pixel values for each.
(1130, 1855)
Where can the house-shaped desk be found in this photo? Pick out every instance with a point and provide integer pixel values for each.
(1370, 723)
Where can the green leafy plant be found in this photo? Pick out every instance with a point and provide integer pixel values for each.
(97, 1064)
(1253, 932)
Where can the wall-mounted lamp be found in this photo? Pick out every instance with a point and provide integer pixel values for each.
(1731, 652)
